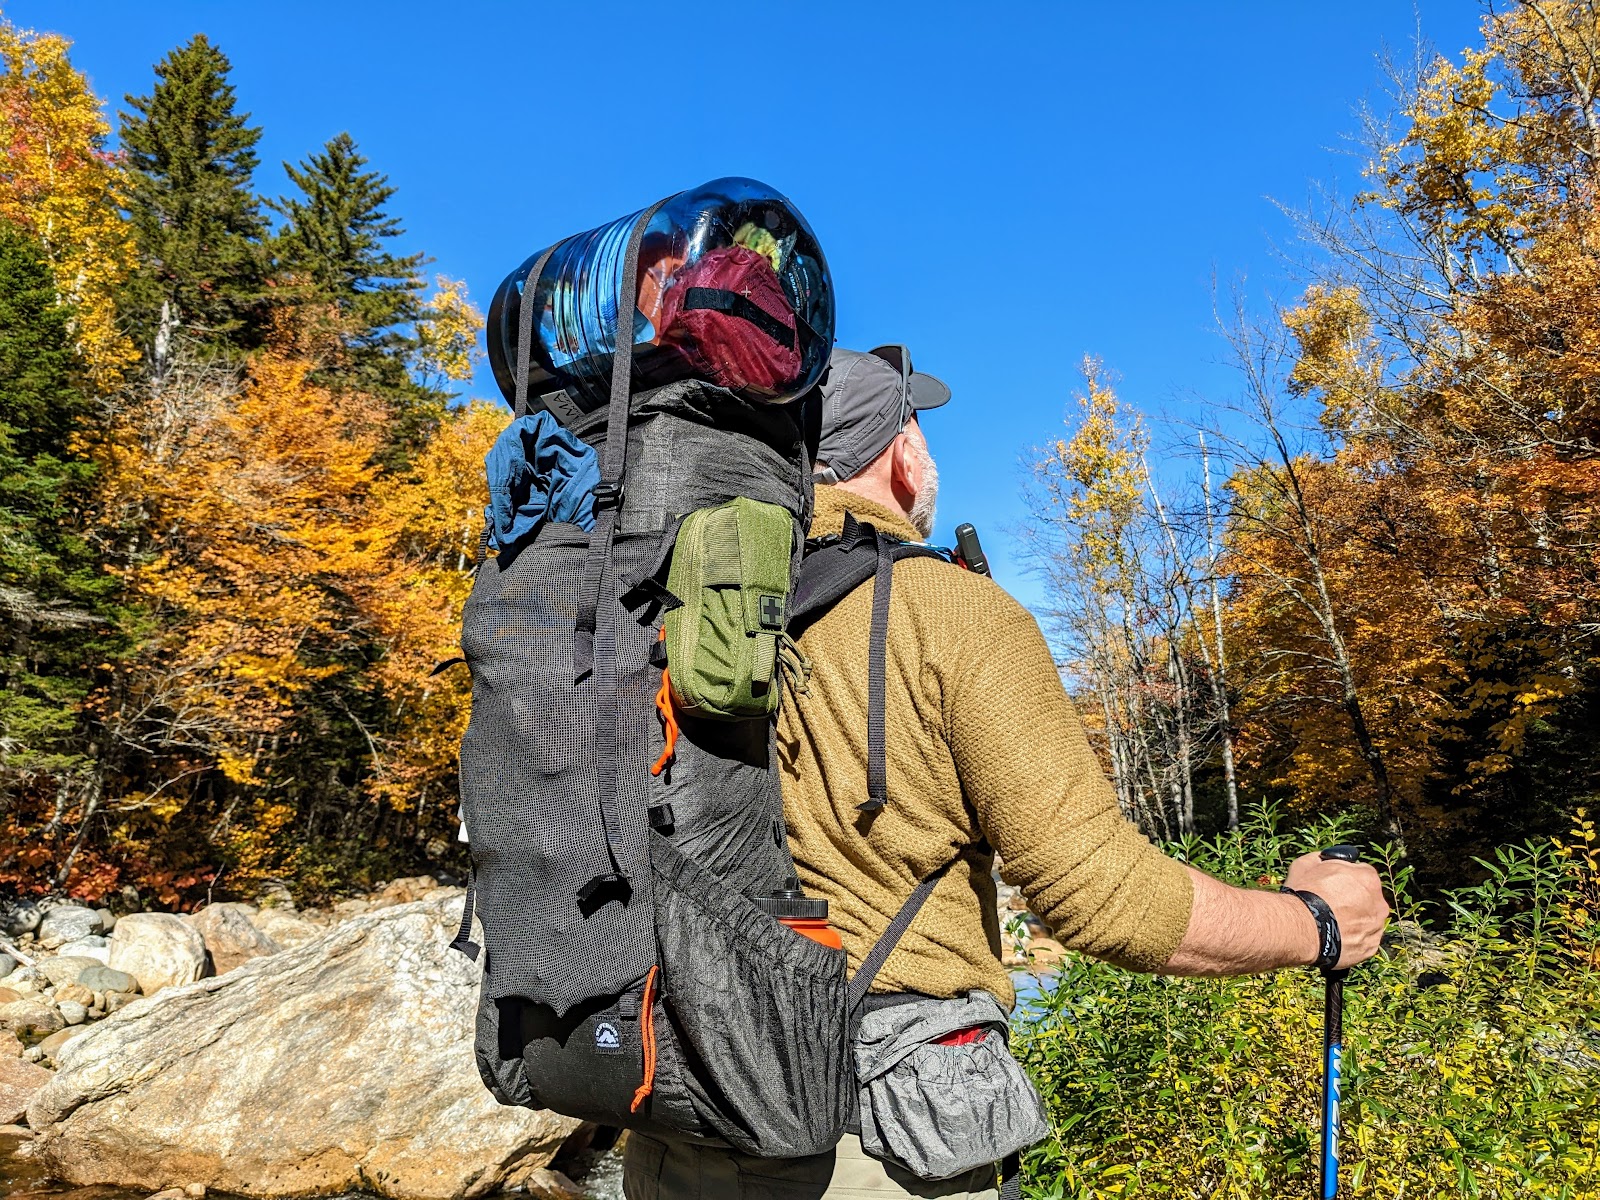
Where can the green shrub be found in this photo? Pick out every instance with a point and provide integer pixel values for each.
(1472, 1054)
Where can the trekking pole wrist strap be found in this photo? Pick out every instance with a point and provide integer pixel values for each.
(1329, 945)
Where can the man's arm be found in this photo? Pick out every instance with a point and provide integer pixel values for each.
(1045, 805)
(1243, 931)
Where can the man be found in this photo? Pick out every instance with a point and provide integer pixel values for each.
(985, 755)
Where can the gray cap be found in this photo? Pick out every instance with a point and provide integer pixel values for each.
(864, 405)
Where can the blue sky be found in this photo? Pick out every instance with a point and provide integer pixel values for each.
(1004, 187)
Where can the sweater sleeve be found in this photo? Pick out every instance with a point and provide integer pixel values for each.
(1045, 804)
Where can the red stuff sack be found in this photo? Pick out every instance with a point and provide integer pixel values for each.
(727, 315)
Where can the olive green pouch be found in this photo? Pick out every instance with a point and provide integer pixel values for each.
(727, 647)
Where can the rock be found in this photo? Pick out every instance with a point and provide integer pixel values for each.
(158, 949)
(286, 928)
(351, 908)
(7, 996)
(543, 1183)
(26, 977)
(18, 917)
(19, 1081)
(30, 1019)
(71, 1011)
(116, 1001)
(33, 1054)
(276, 894)
(340, 1064)
(67, 923)
(405, 891)
(107, 921)
(97, 1011)
(7, 964)
(229, 937)
(65, 969)
(195, 1191)
(104, 979)
(56, 1040)
(173, 1193)
(97, 948)
(75, 993)
(10, 1047)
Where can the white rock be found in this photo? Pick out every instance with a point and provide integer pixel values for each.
(67, 923)
(158, 949)
(338, 1065)
(95, 947)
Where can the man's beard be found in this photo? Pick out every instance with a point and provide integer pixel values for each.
(927, 500)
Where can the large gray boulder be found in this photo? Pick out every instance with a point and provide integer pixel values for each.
(159, 950)
(344, 1063)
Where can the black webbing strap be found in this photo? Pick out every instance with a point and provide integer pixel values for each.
(877, 677)
(614, 462)
(861, 981)
(1011, 1177)
(737, 304)
(595, 642)
(463, 940)
(530, 285)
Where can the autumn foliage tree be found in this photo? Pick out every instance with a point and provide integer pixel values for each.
(1411, 596)
(227, 578)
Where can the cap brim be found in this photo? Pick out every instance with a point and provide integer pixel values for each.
(927, 391)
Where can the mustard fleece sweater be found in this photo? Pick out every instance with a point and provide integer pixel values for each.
(985, 754)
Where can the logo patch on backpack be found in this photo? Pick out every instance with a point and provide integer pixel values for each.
(606, 1038)
(771, 610)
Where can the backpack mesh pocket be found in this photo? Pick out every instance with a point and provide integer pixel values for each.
(758, 1049)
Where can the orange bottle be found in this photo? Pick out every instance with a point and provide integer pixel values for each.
(806, 915)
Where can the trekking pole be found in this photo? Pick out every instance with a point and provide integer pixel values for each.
(1333, 1052)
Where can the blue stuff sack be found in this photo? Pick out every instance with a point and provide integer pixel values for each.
(539, 472)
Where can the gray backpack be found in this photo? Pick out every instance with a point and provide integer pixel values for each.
(630, 978)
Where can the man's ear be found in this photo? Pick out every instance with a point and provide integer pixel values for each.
(905, 468)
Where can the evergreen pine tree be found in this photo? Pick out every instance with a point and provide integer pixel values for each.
(51, 590)
(199, 227)
(333, 254)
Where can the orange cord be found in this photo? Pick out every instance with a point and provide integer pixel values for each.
(669, 719)
(647, 1023)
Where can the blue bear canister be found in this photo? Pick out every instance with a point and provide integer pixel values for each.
(732, 289)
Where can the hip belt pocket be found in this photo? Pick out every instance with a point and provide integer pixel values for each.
(940, 1093)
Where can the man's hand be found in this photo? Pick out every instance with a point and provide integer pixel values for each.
(1355, 893)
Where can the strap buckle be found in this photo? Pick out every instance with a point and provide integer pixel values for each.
(608, 495)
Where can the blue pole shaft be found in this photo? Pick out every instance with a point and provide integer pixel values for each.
(1332, 1078)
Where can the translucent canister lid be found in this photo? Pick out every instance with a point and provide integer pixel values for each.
(732, 288)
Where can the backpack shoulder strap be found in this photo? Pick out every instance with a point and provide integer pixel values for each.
(830, 572)
(835, 567)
